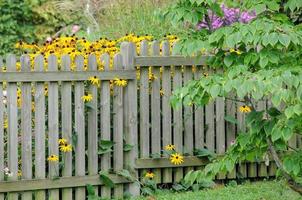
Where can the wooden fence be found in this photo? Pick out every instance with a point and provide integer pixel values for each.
(137, 116)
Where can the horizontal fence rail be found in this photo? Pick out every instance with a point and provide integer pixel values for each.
(65, 76)
(144, 61)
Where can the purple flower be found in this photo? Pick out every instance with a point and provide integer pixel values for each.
(230, 16)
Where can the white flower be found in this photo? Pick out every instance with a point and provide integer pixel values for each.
(232, 142)
(6, 170)
(10, 174)
(4, 93)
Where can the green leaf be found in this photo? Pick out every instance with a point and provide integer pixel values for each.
(215, 90)
(287, 133)
(228, 60)
(104, 177)
(276, 134)
(263, 62)
(106, 144)
(284, 39)
(231, 119)
(273, 112)
(201, 153)
(289, 112)
(128, 147)
(126, 174)
(90, 190)
(104, 151)
(259, 8)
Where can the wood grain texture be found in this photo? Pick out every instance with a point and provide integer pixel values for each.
(26, 127)
(199, 124)
(188, 119)
(12, 114)
(64, 76)
(93, 123)
(144, 106)
(63, 182)
(220, 127)
(105, 122)
(53, 124)
(167, 61)
(130, 116)
(166, 109)
(79, 129)
(39, 130)
(178, 122)
(118, 125)
(66, 124)
(155, 110)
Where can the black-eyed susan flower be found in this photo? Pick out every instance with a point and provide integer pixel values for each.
(62, 141)
(94, 80)
(170, 147)
(176, 159)
(66, 148)
(87, 97)
(19, 174)
(245, 109)
(120, 82)
(53, 158)
(161, 92)
(149, 175)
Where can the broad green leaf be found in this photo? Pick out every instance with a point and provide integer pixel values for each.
(126, 174)
(284, 39)
(231, 119)
(104, 177)
(105, 144)
(228, 60)
(128, 147)
(215, 90)
(287, 133)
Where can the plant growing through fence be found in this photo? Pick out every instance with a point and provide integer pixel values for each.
(260, 54)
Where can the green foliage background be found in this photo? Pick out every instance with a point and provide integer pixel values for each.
(30, 21)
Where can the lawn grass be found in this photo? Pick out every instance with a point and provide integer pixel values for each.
(264, 190)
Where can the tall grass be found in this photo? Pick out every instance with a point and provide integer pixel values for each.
(134, 16)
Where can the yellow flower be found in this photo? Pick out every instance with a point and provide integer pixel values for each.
(238, 52)
(87, 97)
(149, 175)
(66, 147)
(53, 158)
(205, 74)
(170, 147)
(62, 141)
(176, 159)
(120, 82)
(232, 50)
(5, 126)
(161, 92)
(19, 173)
(245, 109)
(94, 80)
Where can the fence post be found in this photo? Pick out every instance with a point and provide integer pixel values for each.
(130, 114)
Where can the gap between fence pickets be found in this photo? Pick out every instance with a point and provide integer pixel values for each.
(58, 183)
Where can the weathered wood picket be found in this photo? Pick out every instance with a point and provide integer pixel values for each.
(139, 116)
